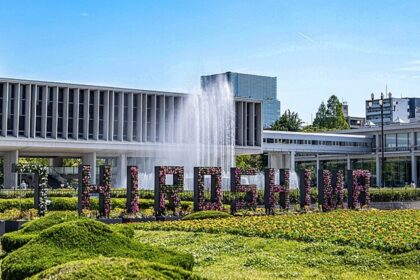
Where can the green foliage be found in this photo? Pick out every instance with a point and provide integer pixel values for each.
(14, 240)
(289, 121)
(34, 161)
(114, 268)
(70, 203)
(388, 231)
(207, 215)
(251, 161)
(82, 239)
(226, 256)
(330, 116)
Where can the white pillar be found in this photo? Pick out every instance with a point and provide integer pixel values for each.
(5, 105)
(348, 162)
(318, 166)
(90, 159)
(121, 171)
(16, 115)
(292, 161)
(65, 119)
(96, 114)
(10, 178)
(27, 110)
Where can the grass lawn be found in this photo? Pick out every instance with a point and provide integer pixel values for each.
(236, 250)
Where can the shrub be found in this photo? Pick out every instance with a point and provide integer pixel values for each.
(206, 215)
(14, 240)
(81, 239)
(114, 268)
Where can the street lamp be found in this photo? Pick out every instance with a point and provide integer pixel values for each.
(381, 105)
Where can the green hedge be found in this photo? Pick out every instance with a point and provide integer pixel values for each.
(82, 239)
(114, 268)
(70, 203)
(14, 240)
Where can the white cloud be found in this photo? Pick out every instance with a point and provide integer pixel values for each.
(307, 37)
(84, 14)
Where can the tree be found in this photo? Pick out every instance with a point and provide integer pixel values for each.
(289, 121)
(331, 116)
(251, 161)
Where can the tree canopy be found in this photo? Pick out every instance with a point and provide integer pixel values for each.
(330, 116)
(289, 121)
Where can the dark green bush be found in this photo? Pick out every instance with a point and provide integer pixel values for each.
(82, 239)
(114, 268)
(206, 215)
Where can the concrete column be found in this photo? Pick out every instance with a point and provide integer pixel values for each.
(5, 108)
(153, 120)
(121, 171)
(66, 113)
(86, 114)
(27, 110)
(44, 111)
(161, 118)
(130, 101)
(292, 161)
(139, 117)
(34, 100)
(10, 178)
(318, 167)
(348, 162)
(144, 118)
(111, 116)
(378, 161)
(16, 115)
(90, 159)
(120, 115)
(95, 114)
(75, 128)
(55, 113)
(245, 123)
(251, 121)
(106, 115)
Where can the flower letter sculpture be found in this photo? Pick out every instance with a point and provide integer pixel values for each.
(104, 189)
(250, 200)
(132, 190)
(339, 190)
(163, 191)
(358, 189)
(215, 202)
(41, 184)
(305, 189)
(276, 193)
(325, 191)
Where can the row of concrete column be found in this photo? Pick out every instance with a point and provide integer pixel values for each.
(124, 116)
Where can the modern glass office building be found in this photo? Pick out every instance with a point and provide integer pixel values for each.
(251, 86)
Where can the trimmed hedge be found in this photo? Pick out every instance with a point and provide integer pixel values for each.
(114, 268)
(70, 203)
(14, 240)
(82, 239)
(207, 215)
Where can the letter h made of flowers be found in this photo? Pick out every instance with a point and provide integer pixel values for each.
(164, 191)
(244, 196)
(85, 188)
(276, 194)
(215, 202)
(358, 188)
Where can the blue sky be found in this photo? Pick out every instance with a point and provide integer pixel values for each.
(314, 48)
